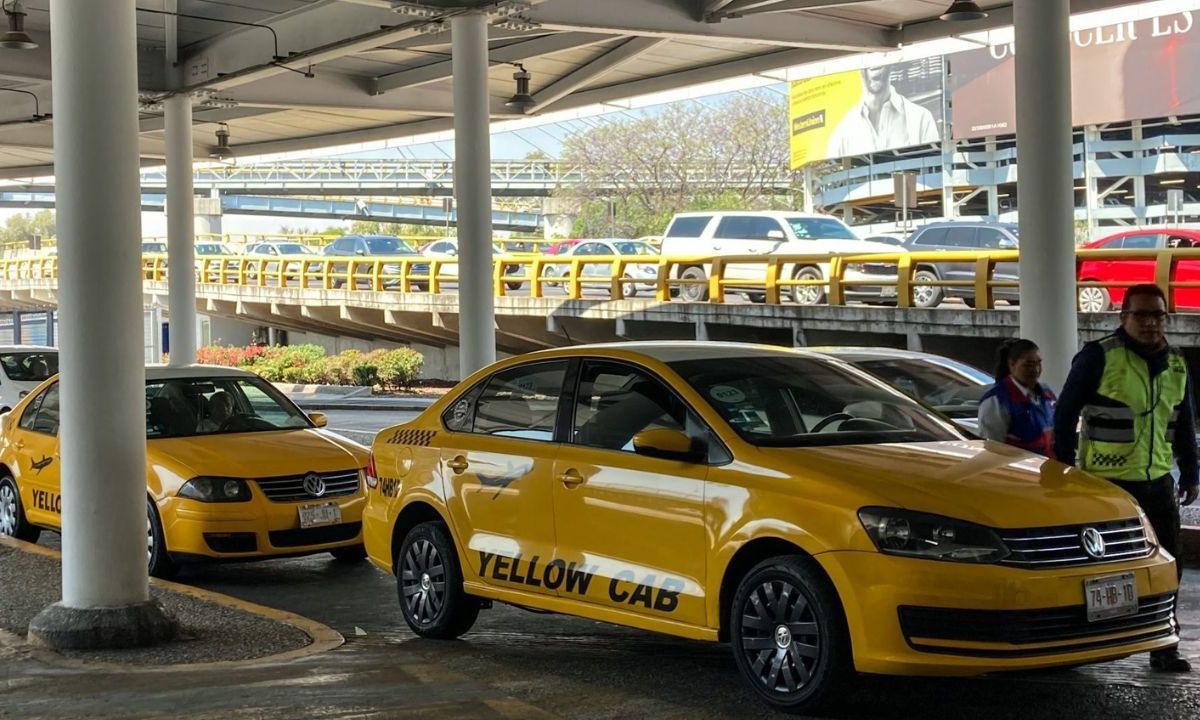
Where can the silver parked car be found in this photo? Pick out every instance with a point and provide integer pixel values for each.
(642, 276)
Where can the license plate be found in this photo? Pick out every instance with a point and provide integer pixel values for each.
(1110, 597)
(887, 291)
(316, 515)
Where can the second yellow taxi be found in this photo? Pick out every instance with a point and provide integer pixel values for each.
(815, 518)
(234, 471)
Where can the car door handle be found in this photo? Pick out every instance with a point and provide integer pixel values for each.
(459, 465)
(19, 444)
(571, 478)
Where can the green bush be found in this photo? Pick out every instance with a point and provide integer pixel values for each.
(400, 367)
(308, 364)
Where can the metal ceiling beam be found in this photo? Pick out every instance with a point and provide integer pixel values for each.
(515, 52)
(666, 18)
(316, 33)
(598, 67)
(742, 8)
(351, 137)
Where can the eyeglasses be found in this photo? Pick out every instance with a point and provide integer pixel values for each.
(1143, 315)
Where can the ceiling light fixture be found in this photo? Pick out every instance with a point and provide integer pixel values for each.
(417, 10)
(222, 151)
(962, 10)
(16, 38)
(521, 101)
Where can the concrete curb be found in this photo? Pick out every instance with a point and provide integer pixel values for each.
(1189, 550)
(324, 638)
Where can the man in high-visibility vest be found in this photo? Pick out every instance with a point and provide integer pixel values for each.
(1134, 394)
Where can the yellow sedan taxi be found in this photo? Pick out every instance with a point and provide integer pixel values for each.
(815, 518)
(234, 471)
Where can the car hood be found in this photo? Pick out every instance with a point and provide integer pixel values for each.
(256, 454)
(984, 482)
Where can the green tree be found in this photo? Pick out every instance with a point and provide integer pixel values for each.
(639, 172)
(22, 228)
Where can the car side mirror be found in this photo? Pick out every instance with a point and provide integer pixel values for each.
(451, 251)
(668, 445)
(776, 235)
(1007, 244)
(360, 252)
(319, 419)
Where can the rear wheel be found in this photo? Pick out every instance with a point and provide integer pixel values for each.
(430, 584)
(789, 635)
(12, 513)
(807, 294)
(693, 292)
(1094, 299)
(628, 289)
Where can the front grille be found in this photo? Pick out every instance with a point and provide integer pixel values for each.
(878, 269)
(290, 488)
(231, 542)
(316, 535)
(1153, 619)
(1053, 547)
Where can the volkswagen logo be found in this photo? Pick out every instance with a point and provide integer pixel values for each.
(1092, 542)
(315, 486)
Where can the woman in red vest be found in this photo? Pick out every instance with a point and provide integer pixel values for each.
(1018, 409)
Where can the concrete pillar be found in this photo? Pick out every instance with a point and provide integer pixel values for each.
(1139, 178)
(208, 214)
(809, 187)
(993, 190)
(1091, 136)
(473, 191)
(558, 217)
(1046, 183)
(105, 593)
(181, 246)
(18, 331)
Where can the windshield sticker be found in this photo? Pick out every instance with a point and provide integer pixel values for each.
(726, 394)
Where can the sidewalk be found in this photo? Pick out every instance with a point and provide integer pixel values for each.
(340, 397)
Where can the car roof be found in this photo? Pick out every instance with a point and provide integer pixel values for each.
(675, 350)
(758, 213)
(850, 351)
(177, 372)
(966, 223)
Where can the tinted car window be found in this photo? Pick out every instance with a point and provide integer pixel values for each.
(688, 227)
(45, 420)
(1149, 241)
(736, 227)
(616, 402)
(521, 402)
(29, 366)
(30, 413)
(961, 238)
(635, 248)
(990, 238)
(932, 237)
(387, 246)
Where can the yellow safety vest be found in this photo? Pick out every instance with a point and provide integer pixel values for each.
(1128, 426)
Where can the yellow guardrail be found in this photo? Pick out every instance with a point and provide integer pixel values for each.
(767, 275)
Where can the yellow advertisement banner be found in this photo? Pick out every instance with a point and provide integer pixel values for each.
(816, 108)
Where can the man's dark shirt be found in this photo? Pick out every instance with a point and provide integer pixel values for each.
(1081, 387)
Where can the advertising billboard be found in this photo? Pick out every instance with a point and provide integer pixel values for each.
(1136, 69)
(864, 111)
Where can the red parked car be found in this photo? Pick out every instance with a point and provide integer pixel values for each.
(1125, 270)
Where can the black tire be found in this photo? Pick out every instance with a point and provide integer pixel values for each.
(12, 513)
(514, 285)
(934, 295)
(161, 564)
(693, 293)
(806, 294)
(352, 554)
(969, 302)
(778, 603)
(433, 608)
(757, 298)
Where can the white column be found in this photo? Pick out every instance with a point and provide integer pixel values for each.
(94, 62)
(473, 191)
(808, 188)
(993, 190)
(1045, 183)
(181, 247)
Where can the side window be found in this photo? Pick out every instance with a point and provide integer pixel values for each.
(31, 410)
(587, 249)
(934, 237)
(521, 402)
(688, 227)
(1149, 241)
(989, 238)
(46, 420)
(763, 227)
(736, 227)
(615, 402)
(961, 238)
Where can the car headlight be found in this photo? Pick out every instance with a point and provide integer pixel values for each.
(914, 534)
(856, 267)
(215, 490)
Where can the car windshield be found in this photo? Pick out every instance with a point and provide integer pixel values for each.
(291, 249)
(388, 246)
(212, 249)
(183, 407)
(820, 229)
(634, 248)
(781, 401)
(29, 366)
(952, 388)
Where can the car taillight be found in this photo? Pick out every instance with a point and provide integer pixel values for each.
(372, 478)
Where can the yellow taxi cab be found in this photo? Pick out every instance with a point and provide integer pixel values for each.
(234, 471)
(815, 518)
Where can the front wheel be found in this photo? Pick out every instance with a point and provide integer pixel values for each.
(789, 635)
(926, 296)
(693, 292)
(12, 513)
(430, 584)
(161, 564)
(807, 294)
(1094, 299)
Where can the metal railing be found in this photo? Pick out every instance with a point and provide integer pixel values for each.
(770, 276)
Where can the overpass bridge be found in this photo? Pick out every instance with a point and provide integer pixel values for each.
(398, 300)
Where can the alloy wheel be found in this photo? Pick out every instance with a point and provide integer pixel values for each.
(780, 636)
(8, 510)
(1093, 299)
(923, 295)
(423, 581)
